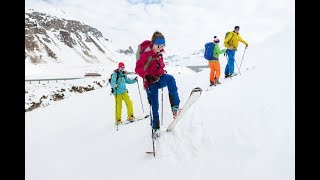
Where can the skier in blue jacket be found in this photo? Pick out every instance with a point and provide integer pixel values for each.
(118, 83)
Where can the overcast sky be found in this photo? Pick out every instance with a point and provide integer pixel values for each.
(186, 24)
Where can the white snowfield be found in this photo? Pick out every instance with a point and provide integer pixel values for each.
(243, 129)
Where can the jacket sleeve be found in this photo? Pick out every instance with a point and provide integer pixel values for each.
(243, 41)
(217, 51)
(228, 38)
(140, 65)
(221, 51)
(129, 81)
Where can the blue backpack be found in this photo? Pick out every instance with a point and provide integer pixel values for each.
(208, 51)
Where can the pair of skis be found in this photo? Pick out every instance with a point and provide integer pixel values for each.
(230, 77)
(193, 97)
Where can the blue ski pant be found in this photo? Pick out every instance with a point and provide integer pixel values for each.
(153, 98)
(230, 65)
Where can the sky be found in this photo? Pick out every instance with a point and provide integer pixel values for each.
(186, 24)
(243, 129)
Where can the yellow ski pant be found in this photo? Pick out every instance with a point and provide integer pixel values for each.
(118, 99)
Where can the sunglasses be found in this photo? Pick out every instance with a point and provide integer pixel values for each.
(161, 46)
(121, 67)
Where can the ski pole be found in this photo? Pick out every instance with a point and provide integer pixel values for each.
(140, 96)
(237, 66)
(116, 106)
(151, 119)
(152, 133)
(242, 58)
(162, 107)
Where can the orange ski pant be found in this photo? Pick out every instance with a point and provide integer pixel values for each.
(214, 70)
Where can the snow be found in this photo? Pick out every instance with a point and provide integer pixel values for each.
(243, 129)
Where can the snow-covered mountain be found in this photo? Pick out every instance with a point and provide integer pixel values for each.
(50, 39)
(57, 47)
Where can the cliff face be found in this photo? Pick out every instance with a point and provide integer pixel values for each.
(51, 39)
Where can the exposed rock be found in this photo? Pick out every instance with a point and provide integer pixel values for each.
(35, 104)
(66, 38)
(128, 51)
(57, 97)
(88, 88)
(98, 83)
(78, 89)
(43, 31)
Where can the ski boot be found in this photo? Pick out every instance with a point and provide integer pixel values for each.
(175, 110)
(131, 118)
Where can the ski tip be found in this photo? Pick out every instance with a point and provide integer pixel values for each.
(197, 89)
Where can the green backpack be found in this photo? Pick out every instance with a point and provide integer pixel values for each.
(227, 35)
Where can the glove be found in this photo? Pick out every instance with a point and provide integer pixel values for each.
(152, 79)
(136, 78)
(247, 45)
(156, 78)
(148, 78)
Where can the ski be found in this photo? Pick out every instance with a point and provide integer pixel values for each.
(212, 87)
(235, 74)
(129, 122)
(230, 76)
(194, 96)
(136, 119)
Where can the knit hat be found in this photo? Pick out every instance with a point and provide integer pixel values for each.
(121, 65)
(216, 40)
(158, 38)
(160, 41)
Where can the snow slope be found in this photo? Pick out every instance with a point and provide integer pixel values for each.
(243, 129)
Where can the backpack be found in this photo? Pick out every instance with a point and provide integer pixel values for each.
(227, 33)
(208, 51)
(117, 77)
(144, 47)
